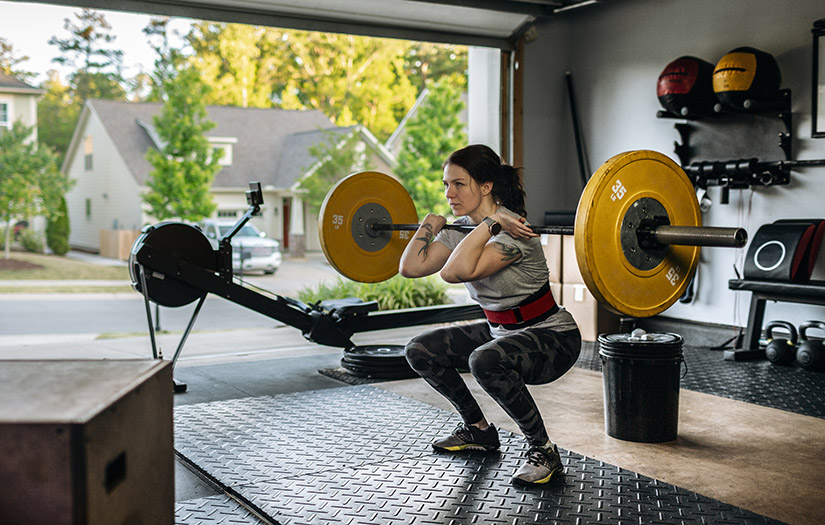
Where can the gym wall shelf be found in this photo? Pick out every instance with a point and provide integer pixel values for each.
(735, 142)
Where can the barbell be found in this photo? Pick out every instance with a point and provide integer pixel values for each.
(637, 231)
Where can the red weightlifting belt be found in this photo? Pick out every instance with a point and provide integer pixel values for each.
(524, 312)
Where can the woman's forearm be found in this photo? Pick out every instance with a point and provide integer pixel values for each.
(464, 263)
(417, 260)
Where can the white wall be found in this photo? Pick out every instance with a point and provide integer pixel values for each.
(615, 52)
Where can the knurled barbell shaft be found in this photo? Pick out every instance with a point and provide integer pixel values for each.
(665, 234)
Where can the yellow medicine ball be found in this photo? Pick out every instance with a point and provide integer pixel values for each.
(746, 74)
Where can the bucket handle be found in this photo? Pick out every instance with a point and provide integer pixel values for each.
(682, 361)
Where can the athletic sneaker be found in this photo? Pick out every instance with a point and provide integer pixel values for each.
(468, 437)
(540, 466)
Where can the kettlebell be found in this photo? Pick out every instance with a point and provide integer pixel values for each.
(780, 351)
(811, 352)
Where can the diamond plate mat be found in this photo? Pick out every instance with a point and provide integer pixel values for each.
(361, 455)
(219, 510)
(790, 388)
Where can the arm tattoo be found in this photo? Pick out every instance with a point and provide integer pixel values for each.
(508, 253)
(427, 238)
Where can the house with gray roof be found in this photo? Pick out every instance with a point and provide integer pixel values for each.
(107, 159)
(18, 101)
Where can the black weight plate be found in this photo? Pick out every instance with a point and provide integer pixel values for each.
(375, 353)
(369, 373)
(375, 362)
(379, 367)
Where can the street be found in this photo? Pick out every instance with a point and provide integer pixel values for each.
(125, 313)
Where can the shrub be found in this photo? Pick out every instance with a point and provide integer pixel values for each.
(31, 240)
(57, 231)
(393, 294)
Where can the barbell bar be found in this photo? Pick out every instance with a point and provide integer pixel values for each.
(637, 231)
(662, 234)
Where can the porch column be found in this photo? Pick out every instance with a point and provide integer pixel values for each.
(297, 236)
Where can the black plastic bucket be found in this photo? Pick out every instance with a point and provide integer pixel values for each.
(641, 375)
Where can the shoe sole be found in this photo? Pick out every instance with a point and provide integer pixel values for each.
(524, 483)
(472, 447)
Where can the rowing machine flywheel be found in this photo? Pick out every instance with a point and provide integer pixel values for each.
(182, 242)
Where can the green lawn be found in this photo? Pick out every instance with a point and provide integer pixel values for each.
(52, 267)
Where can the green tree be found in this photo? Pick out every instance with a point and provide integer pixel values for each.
(56, 115)
(352, 79)
(425, 62)
(30, 183)
(57, 230)
(9, 62)
(184, 168)
(434, 133)
(240, 62)
(167, 60)
(97, 68)
(337, 155)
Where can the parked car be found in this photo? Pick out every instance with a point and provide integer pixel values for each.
(252, 250)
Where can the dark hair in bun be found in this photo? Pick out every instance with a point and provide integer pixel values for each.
(484, 165)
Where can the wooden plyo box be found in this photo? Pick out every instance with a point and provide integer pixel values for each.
(86, 442)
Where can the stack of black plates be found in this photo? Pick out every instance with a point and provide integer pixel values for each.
(377, 362)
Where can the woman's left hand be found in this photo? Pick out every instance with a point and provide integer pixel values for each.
(517, 227)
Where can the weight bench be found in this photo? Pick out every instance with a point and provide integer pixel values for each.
(811, 292)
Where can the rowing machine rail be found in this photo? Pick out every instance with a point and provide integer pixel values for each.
(173, 264)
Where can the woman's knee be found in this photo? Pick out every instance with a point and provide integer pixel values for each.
(486, 362)
(421, 350)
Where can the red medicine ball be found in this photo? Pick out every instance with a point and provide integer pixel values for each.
(686, 86)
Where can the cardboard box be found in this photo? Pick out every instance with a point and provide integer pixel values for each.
(86, 442)
(570, 273)
(551, 244)
(555, 289)
(592, 318)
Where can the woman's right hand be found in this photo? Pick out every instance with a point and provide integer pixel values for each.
(436, 222)
(517, 227)
(422, 256)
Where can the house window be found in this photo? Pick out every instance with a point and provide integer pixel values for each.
(88, 208)
(4, 115)
(224, 144)
(226, 158)
(227, 214)
(87, 153)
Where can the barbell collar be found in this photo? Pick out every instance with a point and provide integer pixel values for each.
(664, 235)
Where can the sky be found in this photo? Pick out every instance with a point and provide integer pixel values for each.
(30, 26)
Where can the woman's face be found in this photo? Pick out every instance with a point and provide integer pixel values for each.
(464, 194)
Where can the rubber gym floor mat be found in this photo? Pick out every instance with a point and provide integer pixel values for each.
(790, 388)
(362, 455)
(217, 510)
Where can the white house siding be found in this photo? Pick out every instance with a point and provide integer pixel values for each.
(114, 194)
(22, 107)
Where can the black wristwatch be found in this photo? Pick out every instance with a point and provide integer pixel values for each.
(494, 226)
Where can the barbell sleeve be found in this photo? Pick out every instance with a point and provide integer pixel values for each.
(664, 235)
(700, 236)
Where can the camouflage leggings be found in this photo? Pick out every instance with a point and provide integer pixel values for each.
(502, 366)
